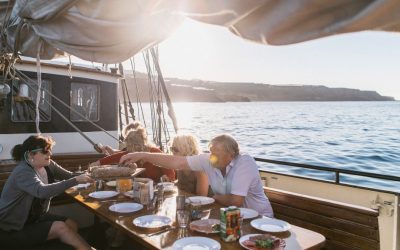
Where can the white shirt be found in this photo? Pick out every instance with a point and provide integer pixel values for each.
(242, 178)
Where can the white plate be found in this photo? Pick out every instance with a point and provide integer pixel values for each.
(129, 194)
(248, 213)
(196, 243)
(247, 236)
(168, 186)
(270, 225)
(81, 186)
(126, 207)
(152, 221)
(111, 183)
(244, 238)
(103, 194)
(200, 200)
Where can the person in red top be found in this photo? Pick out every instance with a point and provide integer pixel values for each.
(136, 141)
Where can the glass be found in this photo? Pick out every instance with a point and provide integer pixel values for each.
(145, 197)
(99, 185)
(180, 202)
(124, 185)
(182, 217)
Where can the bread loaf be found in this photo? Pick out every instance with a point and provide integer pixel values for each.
(109, 171)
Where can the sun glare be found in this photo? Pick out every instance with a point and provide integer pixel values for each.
(184, 61)
(184, 114)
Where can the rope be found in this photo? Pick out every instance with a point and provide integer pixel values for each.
(131, 109)
(171, 111)
(138, 102)
(39, 84)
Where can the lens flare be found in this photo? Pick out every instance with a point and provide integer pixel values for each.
(213, 159)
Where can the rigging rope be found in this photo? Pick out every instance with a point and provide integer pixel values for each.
(39, 84)
(171, 111)
(138, 101)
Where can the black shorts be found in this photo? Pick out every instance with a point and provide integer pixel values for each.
(33, 234)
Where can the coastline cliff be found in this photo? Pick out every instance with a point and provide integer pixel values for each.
(208, 91)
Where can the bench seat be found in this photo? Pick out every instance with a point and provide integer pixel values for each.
(344, 226)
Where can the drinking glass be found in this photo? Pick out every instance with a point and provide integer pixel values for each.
(99, 185)
(182, 217)
(124, 185)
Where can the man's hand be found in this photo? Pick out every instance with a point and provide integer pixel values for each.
(229, 199)
(94, 164)
(130, 158)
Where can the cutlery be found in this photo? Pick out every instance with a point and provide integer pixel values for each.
(161, 231)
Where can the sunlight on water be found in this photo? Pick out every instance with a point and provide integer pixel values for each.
(362, 136)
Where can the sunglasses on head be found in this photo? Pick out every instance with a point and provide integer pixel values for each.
(174, 149)
(42, 150)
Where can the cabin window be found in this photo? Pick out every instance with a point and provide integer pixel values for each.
(84, 102)
(24, 101)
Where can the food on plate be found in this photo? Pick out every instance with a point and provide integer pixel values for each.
(206, 226)
(264, 241)
(112, 171)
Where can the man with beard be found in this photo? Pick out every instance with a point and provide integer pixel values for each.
(233, 177)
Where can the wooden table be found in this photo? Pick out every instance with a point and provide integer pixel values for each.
(296, 237)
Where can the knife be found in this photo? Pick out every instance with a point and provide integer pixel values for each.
(161, 231)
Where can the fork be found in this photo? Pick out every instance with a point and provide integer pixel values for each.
(161, 231)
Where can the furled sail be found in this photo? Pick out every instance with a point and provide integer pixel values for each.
(113, 31)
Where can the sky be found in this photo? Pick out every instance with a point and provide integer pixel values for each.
(363, 60)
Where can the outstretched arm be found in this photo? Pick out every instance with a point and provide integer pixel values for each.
(162, 160)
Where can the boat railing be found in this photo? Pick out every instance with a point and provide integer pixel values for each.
(337, 172)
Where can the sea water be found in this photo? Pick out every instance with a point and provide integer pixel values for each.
(362, 136)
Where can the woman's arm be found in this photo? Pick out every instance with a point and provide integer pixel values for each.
(59, 172)
(28, 181)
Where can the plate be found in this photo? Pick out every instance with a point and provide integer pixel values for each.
(248, 213)
(103, 194)
(168, 186)
(81, 186)
(152, 221)
(111, 183)
(129, 194)
(126, 207)
(200, 200)
(270, 225)
(204, 226)
(196, 243)
(247, 236)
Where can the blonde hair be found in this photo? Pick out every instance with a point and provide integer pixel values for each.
(186, 145)
(136, 138)
(228, 142)
(131, 126)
